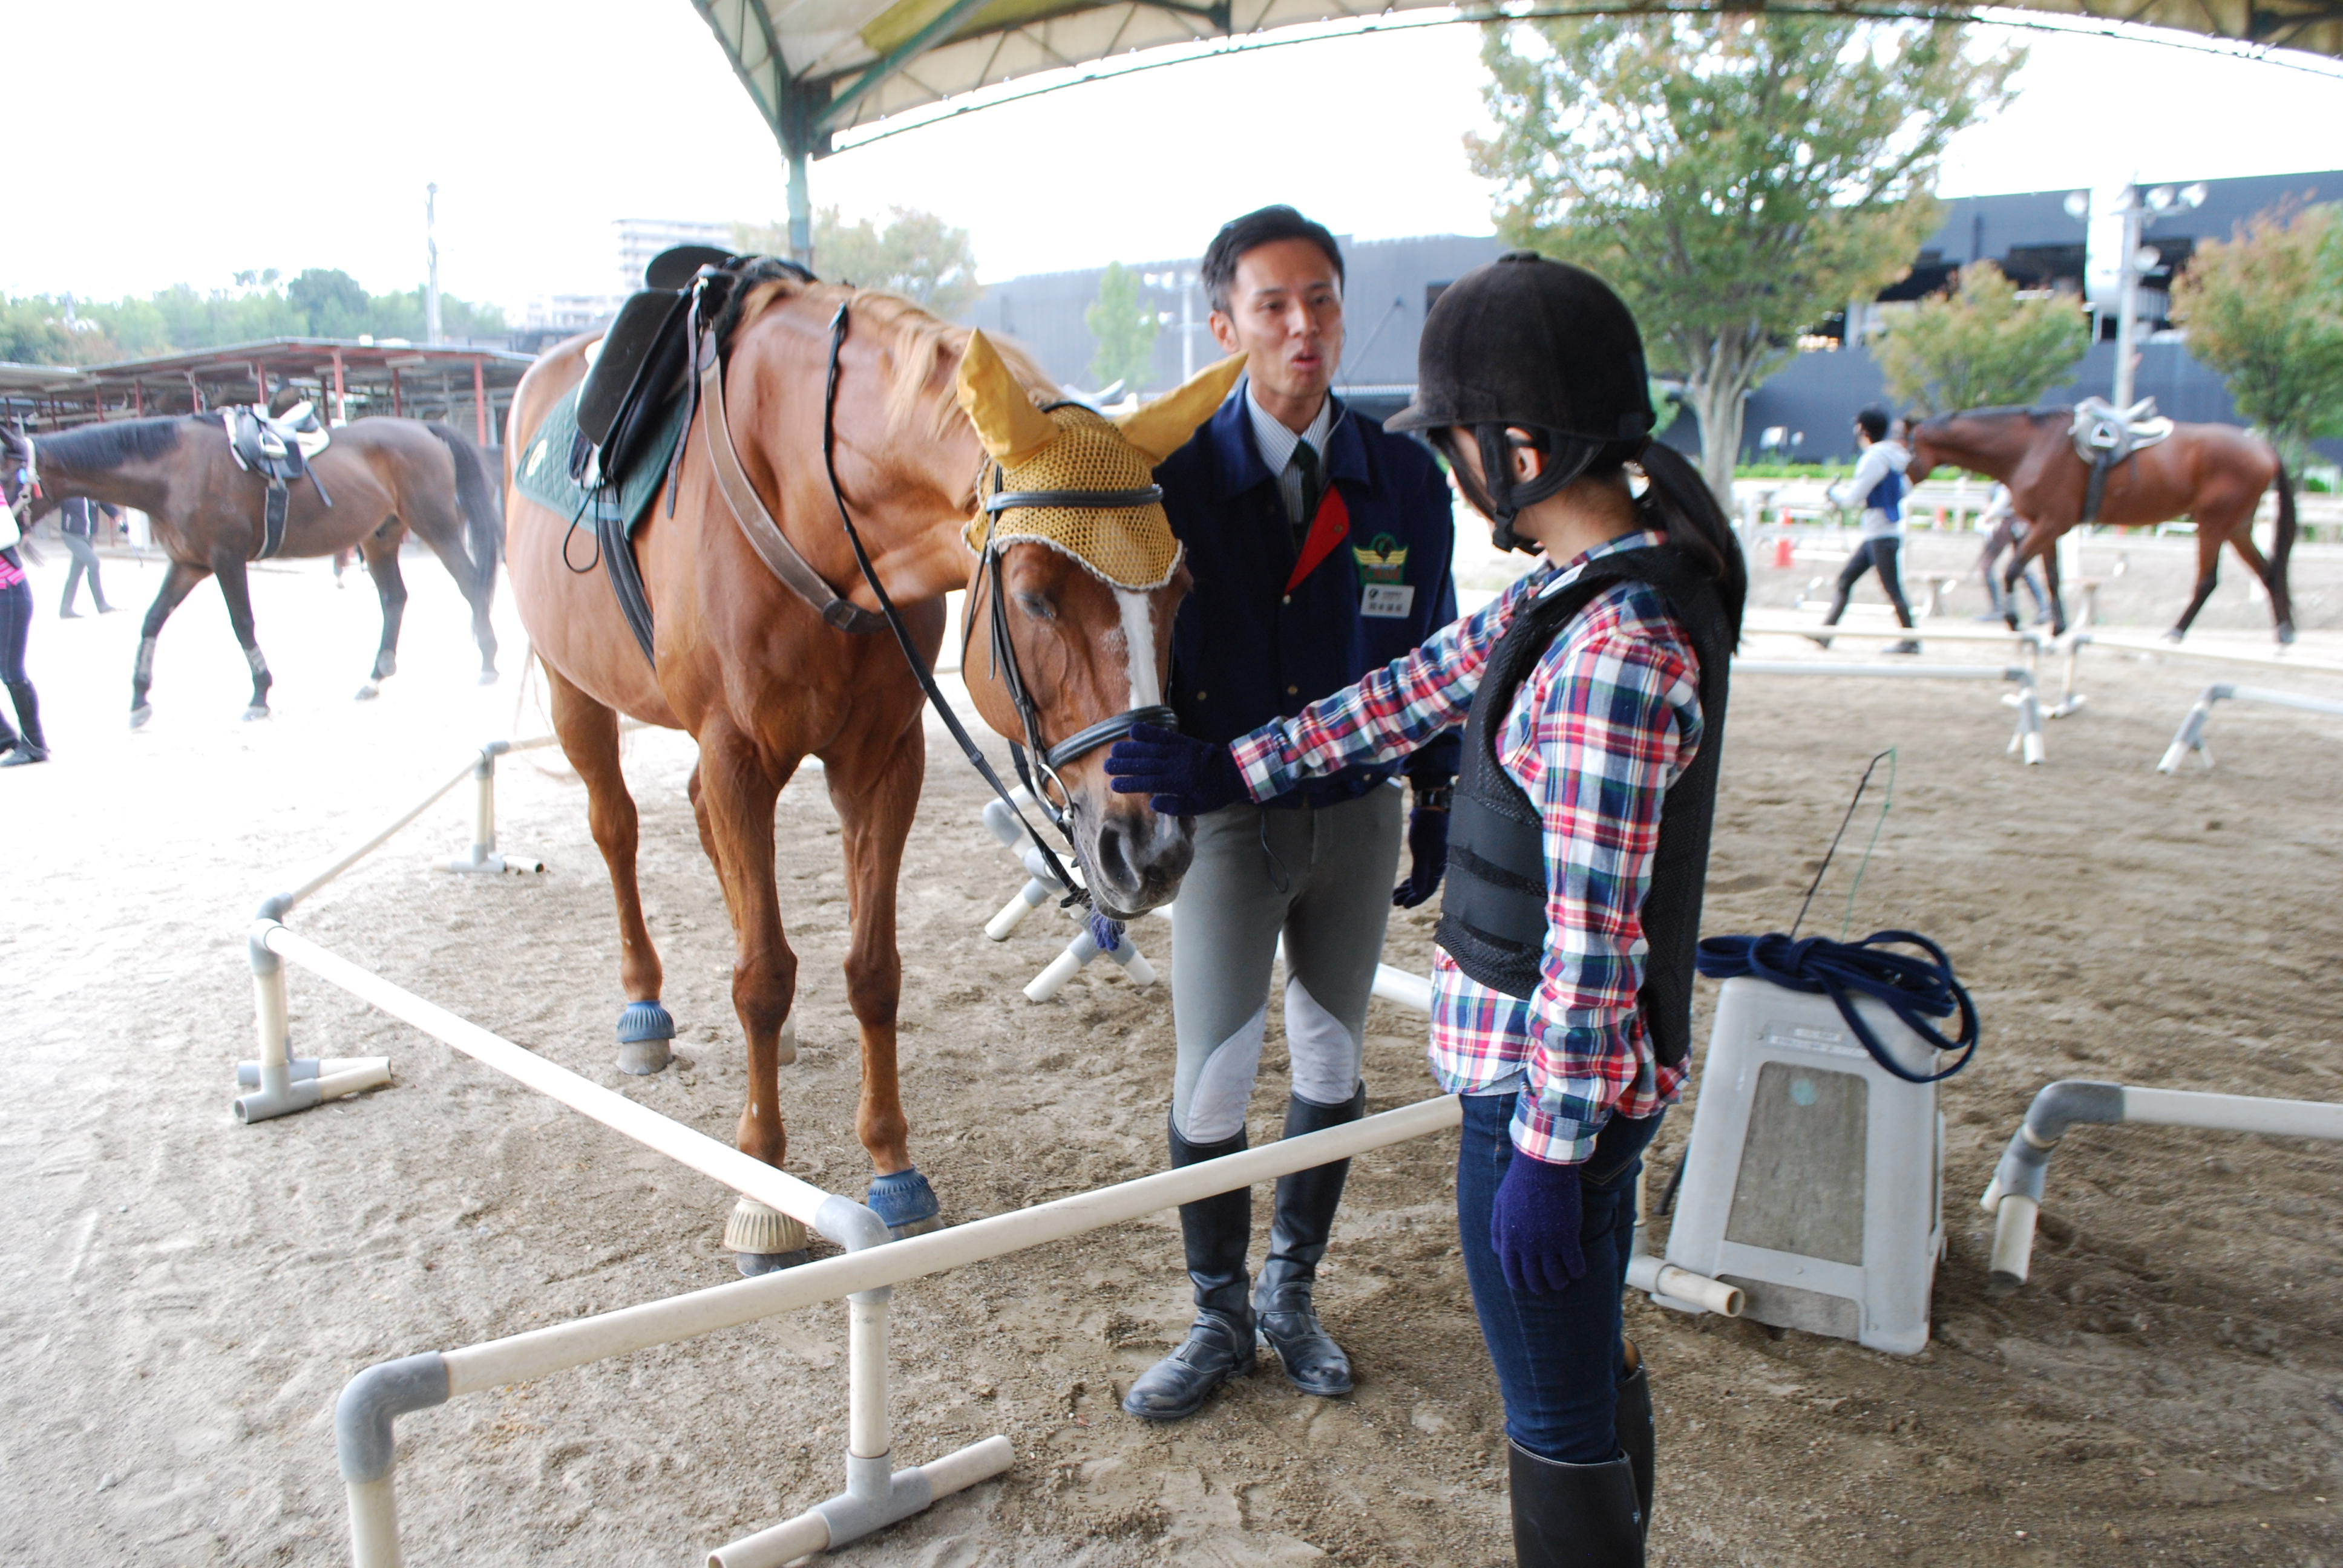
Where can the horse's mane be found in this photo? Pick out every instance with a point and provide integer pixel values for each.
(109, 444)
(2006, 411)
(918, 343)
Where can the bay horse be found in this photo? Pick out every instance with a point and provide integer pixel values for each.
(2214, 474)
(919, 412)
(388, 476)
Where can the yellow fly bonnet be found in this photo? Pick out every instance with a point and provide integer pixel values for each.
(1072, 478)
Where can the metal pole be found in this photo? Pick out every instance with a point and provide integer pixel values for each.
(2127, 302)
(341, 402)
(479, 401)
(397, 408)
(431, 246)
(800, 208)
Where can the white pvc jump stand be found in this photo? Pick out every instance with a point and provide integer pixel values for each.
(2025, 739)
(2190, 737)
(2013, 1198)
(1042, 887)
(482, 858)
(1813, 1179)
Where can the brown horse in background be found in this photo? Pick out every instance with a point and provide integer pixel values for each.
(388, 476)
(2213, 473)
(762, 681)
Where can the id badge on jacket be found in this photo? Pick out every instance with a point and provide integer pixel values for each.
(1382, 562)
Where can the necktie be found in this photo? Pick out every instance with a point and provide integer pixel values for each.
(1305, 457)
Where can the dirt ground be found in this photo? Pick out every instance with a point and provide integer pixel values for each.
(186, 1296)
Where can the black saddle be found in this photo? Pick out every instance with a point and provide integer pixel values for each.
(267, 446)
(642, 369)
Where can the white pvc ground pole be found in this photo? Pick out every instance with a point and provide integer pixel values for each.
(2013, 1198)
(2190, 736)
(1042, 886)
(2025, 739)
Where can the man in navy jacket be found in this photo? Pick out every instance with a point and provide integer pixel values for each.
(1320, 547)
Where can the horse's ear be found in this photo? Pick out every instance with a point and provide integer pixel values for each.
(996, 402)
(1163, 426)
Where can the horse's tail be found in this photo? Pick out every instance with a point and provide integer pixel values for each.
(484, 518)
(2282, 546)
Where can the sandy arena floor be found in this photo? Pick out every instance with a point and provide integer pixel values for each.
(187, 1296)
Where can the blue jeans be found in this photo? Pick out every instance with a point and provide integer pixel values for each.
(1557, 1357)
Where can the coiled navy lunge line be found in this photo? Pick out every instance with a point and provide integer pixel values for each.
(1913, 989)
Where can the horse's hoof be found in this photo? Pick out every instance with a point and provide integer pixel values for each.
(368, 692)
(763, 1240)
(2172, 637)
(487, 678)
(755, 1263)
(645, 1029)
(258, 711)
(141, 714)
(2285, 633)
(906, 1203)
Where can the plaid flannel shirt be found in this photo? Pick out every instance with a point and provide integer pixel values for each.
(1605, 722)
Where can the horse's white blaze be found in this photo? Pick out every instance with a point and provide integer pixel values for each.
(1139, 647)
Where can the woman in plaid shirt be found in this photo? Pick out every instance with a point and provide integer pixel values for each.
(1593, 695)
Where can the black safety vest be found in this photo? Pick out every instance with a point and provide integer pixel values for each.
(1493, 919)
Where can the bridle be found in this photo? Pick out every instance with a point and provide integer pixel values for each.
(1037, 761)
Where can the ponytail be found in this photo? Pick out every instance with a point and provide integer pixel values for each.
(1680, 500)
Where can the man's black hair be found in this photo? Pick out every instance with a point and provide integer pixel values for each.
(1250, 231)
(1872, 422)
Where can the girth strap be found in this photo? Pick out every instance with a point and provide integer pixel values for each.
(757, 525)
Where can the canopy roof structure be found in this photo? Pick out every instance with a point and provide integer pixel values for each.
(819, 67)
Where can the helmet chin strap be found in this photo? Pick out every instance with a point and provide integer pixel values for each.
(1506, 498)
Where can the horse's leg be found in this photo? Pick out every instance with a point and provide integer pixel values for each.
(876, 792)
(382, 565)
(2241, 539)
(589, 739)
(2041, 543)
(2208, 577)
(229, 569)
(444, 535)
(735, 790)
(178, 583)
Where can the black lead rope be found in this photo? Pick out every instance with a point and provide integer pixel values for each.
(1913, 989)
(1075, 893)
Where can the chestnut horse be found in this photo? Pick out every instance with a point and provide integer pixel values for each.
(762, 681)
(385, 476)
(2214, 474)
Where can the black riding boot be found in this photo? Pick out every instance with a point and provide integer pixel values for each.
(1631, 1418)
(1306, 1201)
(34, 747)
(1216, 1233)
(1574, 1515)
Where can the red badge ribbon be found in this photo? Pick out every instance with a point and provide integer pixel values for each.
(1328, 530)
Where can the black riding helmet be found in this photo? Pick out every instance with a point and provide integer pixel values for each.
(1538, 345)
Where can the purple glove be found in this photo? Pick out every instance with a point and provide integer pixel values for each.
(1427, 857)
(1106, 931)
(1534, 1226)
(1182, 777)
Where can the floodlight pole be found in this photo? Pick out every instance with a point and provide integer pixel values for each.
(431, 245)
(2128, 299)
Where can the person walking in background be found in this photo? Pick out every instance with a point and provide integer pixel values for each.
(25, 743)
(1321, 549)
(1877, 486)
(78, 521)
(2006, 530)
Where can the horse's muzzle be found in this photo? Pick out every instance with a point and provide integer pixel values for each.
(1135, 858)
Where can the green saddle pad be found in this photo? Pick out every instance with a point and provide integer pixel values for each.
(543, 471)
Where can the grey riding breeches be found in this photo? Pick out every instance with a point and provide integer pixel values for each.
(1320, 876)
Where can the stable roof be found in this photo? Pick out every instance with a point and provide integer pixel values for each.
(817, 68)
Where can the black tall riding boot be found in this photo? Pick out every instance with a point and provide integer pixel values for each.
(34, 747)
(1631, 1418)
(1306, 1201)
(1574, 1515)
(1216, 1233)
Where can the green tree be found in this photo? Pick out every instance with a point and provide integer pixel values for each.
(1123, 329)
(916, 255)
(1736, 177)
(2264, 309)
(1982, 346)
(331, 301)
(317, 303)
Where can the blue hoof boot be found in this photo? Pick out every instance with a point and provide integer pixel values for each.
(644, 1030)
(906, 1203)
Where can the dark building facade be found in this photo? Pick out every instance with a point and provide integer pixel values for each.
(1810, 401)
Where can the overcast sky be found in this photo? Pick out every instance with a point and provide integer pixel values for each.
(144, 131)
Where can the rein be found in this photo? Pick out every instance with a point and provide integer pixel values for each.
(1046, 758)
